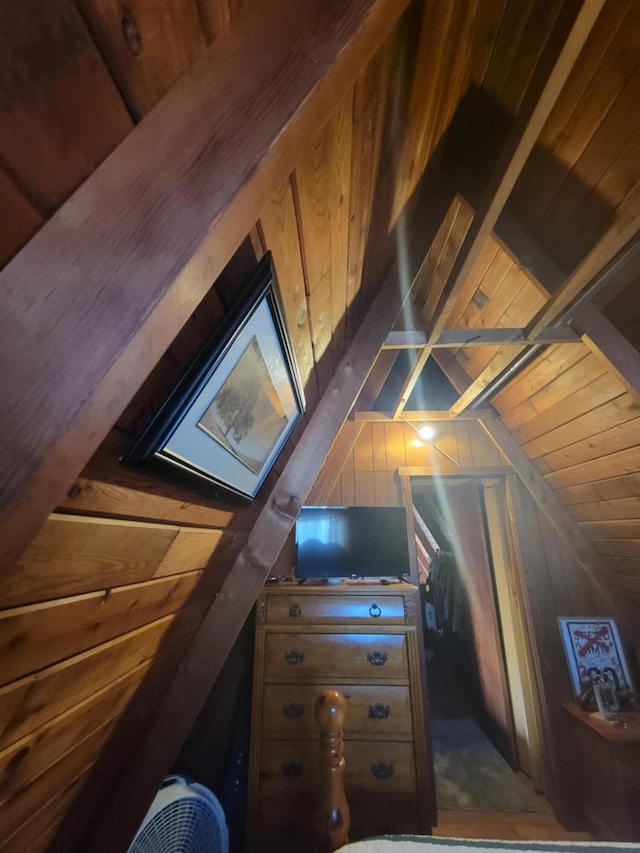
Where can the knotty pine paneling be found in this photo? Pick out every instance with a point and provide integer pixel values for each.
(20, 220)
(75, 554)
(551, 584)
(370, 97)
(322, 181)
(583, 169)
(35, 700)
(513, 300)
(581, 428)
(17, 807)
(146, 48)
(31, 755)
(62, 112)
(37, 636)
(76, 78)
(448, 36)
(217, 16)
(368, 477)
(278, 228)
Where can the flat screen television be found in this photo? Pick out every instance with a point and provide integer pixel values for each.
(351, 541)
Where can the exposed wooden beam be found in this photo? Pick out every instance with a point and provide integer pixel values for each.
(186, 694)
(540, 98)
(411, 380)
(597, 265)
(501, 361)
(470, 471)
(424, 534)
(594, 566)
(94, 299)
(624, 272)
(609, 345)
(454, 338)
(426, 415)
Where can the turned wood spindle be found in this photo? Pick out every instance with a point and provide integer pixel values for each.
(333, 818)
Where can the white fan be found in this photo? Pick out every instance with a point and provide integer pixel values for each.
(185, 817)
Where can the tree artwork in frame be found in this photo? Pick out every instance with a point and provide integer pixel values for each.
(230, 415)
(594, 653)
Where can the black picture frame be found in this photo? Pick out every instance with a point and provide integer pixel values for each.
(229, 416)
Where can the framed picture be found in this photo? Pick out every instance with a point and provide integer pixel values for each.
(229, 416)
(594, 653)
(606, 698)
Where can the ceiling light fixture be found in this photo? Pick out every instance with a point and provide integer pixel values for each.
(427, 434)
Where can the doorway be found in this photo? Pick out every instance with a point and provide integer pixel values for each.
(476, 750)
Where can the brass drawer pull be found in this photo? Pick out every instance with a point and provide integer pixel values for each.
(375, 611)
(292, 769)
(382, 770)
(379, 711)
(293, 710)
(295, 610)
(294, 657)
(377, 658)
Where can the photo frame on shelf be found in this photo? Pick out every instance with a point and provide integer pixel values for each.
(606, 699)
(594, 653)
(229, 416)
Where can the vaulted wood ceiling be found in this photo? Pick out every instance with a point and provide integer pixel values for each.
(338, 148)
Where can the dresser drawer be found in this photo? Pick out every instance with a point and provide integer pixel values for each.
(289, 709)
(299, 657)
(371, 766)
(333, 609)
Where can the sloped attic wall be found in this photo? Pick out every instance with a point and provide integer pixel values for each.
(127, 73)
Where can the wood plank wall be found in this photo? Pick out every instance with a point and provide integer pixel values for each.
(368, 476)
(551, 584)
(581, 428)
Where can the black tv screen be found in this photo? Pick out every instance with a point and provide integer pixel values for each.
(351, 541)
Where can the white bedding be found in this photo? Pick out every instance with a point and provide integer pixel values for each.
(429, 844)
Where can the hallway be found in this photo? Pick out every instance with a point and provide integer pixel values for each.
(449, 708)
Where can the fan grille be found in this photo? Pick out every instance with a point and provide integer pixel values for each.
(186, 825)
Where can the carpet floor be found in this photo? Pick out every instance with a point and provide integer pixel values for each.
(471, 773)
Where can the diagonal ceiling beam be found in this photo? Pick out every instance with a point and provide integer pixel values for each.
(424, 415)
(541, 96)
(454, 338)
(500, 362)
(597, 265)
(411, 380)
(609, 345)
(95, 298)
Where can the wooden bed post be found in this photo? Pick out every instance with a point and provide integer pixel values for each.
(333, 818)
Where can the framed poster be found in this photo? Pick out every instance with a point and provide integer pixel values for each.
(594, 653)
(229, 416)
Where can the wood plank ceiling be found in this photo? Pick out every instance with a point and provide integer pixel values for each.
(124, 551)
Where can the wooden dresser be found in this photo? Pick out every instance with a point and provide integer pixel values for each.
(361, 639)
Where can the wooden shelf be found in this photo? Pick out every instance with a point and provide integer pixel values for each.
(624, 729)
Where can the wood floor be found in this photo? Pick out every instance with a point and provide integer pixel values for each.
(508, 826)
